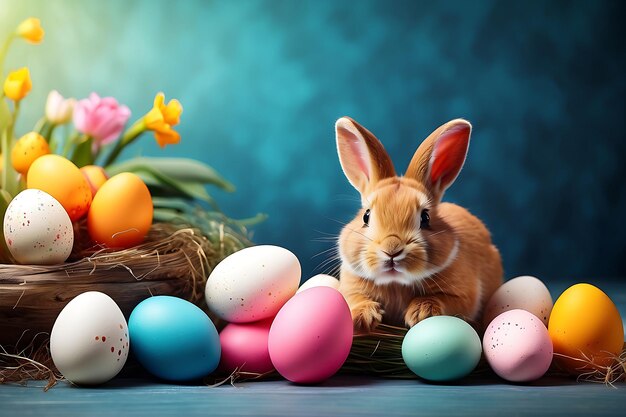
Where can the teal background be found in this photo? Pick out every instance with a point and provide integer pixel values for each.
(262, 82)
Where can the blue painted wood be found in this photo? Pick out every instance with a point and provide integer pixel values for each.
(340, 396)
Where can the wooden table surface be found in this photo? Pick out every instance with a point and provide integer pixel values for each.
(340, 396)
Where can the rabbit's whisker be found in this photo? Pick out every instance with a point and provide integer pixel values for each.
(326, 251)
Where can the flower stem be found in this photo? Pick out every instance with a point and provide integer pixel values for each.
(41, 124)
(69, 142)
(127, 138)
(3, 52)
(9, 176)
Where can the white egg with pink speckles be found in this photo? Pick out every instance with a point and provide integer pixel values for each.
(89, 341)
(517, 346)
(252, 284)
(37, 229)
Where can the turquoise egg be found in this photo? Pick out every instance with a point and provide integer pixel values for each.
(174, 339)
(441, 348)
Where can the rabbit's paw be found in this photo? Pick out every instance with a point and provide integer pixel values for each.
(367, 316)
(422, 308)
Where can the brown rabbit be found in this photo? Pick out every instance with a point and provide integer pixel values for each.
(407, 256)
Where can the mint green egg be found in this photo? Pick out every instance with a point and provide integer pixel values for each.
(441, 348)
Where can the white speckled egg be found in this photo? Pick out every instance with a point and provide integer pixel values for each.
(321, 280)
(89, 341)
(37, 229)
(253, 283)
(517, 346)
(526, 293)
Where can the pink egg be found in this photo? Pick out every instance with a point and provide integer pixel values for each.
(517, 346)
(311, 336)
(244, 346)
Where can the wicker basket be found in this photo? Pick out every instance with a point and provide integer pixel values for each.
(173, 261)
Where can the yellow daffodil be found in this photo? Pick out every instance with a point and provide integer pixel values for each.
(18, 84)
(162, 118)
(31, 30)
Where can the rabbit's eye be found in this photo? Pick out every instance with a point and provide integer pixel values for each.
(425, 220)
(366, 217)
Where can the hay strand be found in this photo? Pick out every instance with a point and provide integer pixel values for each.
(380, 353)
(174, 260)
(32, 362)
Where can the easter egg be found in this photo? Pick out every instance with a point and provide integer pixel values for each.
(525, 293)
(311, 336)
(253, 283)
(121, 212)
(60, 178)
(586, 329)
(89, 340)
(95, 176)
(174, 339)
(517, 346)
(441, 348)
(28, 148)
(321, 280)
(244, 347)
(37, 229)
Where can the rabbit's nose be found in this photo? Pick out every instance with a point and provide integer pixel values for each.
(395, 254)
(393, 247)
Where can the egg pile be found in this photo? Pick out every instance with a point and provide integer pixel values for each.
(306, 336)
(516, 343)
(38, 221)
(525, 331)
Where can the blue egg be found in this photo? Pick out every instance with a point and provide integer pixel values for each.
(441, 348)
(174, 339)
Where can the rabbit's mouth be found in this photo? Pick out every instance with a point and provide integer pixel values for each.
(392, 272)
(391, 267)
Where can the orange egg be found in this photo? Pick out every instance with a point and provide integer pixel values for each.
(586, 329)
(28, 148)
(95, 176)
(121, 212)
(60, 178)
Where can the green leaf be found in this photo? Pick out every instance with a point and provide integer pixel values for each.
(179, 169)
(82, 155)
(166, 215)
(252, 221)
(191, 190)
(173, 204)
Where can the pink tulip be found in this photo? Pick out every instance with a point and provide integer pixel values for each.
(101, 118)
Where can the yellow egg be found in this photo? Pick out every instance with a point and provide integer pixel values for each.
(60, 178)
(585, 326)
(28, 148)
(121, 212)
(95, 176)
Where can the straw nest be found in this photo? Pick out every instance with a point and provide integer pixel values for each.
(173, 260)
(380, 354)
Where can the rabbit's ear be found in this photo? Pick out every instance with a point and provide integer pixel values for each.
(362, 156)
(439, 159)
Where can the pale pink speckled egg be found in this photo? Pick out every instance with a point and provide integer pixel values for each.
(311, 336)
(517, 346)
